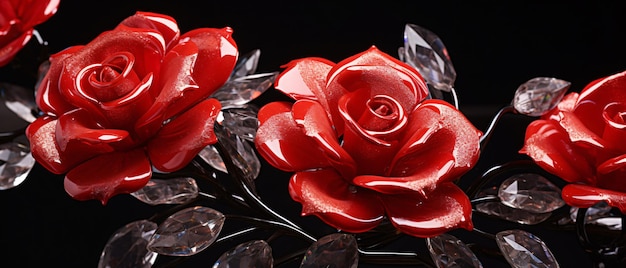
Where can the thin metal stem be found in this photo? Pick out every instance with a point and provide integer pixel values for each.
(489, 131)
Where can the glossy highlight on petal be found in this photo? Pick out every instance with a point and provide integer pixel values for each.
(585, 196)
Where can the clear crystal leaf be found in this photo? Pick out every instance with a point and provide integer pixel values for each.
(168, 191)
(531, 192)
(447, 251)
(127, 246)
(246, 64)
(241, 121)
(16, 162)
(599, 214)
(502, 211)
(187, 232)
(241, 90)
(19, 100)
(425, 51)
(539, 95)
(239, 149)
(256, 253)
(333, 250)
(523, 249)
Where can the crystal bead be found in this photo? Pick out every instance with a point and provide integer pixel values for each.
(127, 247)
(502, 211)
(333, 250)
(425, 51)
(16, 163)
(167, 191)
(539, 95)
(447, 251)
(523, 249)
(256, 253)
(187, 232)
(531, 192)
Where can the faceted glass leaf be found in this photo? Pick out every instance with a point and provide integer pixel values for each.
(502, 211)
(168, 191)
(20, 100)
(242, 121)
(246, 64)
(239, 91)
(240, 151)
(16, 162)
(425, 51)
(333, 250)
(256, 253)
(187, 232)
(448, 251)
(539, 95)
(531, 192)
(127, 247)
(523, 249)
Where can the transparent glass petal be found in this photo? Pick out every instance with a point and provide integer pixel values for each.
(239, 149)
(539, 95)
(20, 100)
(16, 162)
(187, 232)
(127, 247)
(425, 51)
(333, 250)
(241, 90)
(502, 211)
(256, 253)
(447, 251)
(523, 249)
(531, 192)
(168, 191)
(241, 121)
(246, 64)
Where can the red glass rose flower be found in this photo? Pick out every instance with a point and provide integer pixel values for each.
(365, 144)
(132, 99)
(582, 142)
(17, 21)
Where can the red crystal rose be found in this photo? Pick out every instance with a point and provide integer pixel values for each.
(365, 144)
(17, 21)
(133, 98)
(582, 142)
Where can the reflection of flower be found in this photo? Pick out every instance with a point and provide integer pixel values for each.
(364, 144)
(133, 98)
(582, 142)
(17, 21)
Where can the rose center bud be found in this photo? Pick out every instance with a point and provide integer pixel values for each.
(381, 114)
(112, 79)
(614, 115)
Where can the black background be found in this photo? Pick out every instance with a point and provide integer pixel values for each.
(494, 47)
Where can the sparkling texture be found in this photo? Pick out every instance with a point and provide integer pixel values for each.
(523, 249)
(168, 191)
(333, 250)
(531, 192)
(447, 251)
(500, 210)
(425, 51)
(16, 163)
(256, 253)
(539, 95)
(127, 247)
(187, 232)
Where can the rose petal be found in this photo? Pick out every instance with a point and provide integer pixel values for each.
(611, 174)
(305, 79)
(164, 24)
(585, 196)
(314, 121)
(281, 142)
(76, 133)
(32, 13)
(49, 99)
(107, 175)
(578, 132)
(272, 108)
(549, 146)
(9, 50)
(445, 209)
(179, 141)
(42, 138)
(595, 96)
(325, 194)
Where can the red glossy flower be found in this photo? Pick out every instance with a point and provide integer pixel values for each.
(133, 98)
(17, 21)
(365, 144)
(582, 142)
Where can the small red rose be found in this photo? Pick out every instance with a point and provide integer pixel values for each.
(582, 142)
(18, 19)
(133, 99)
(365, 144)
